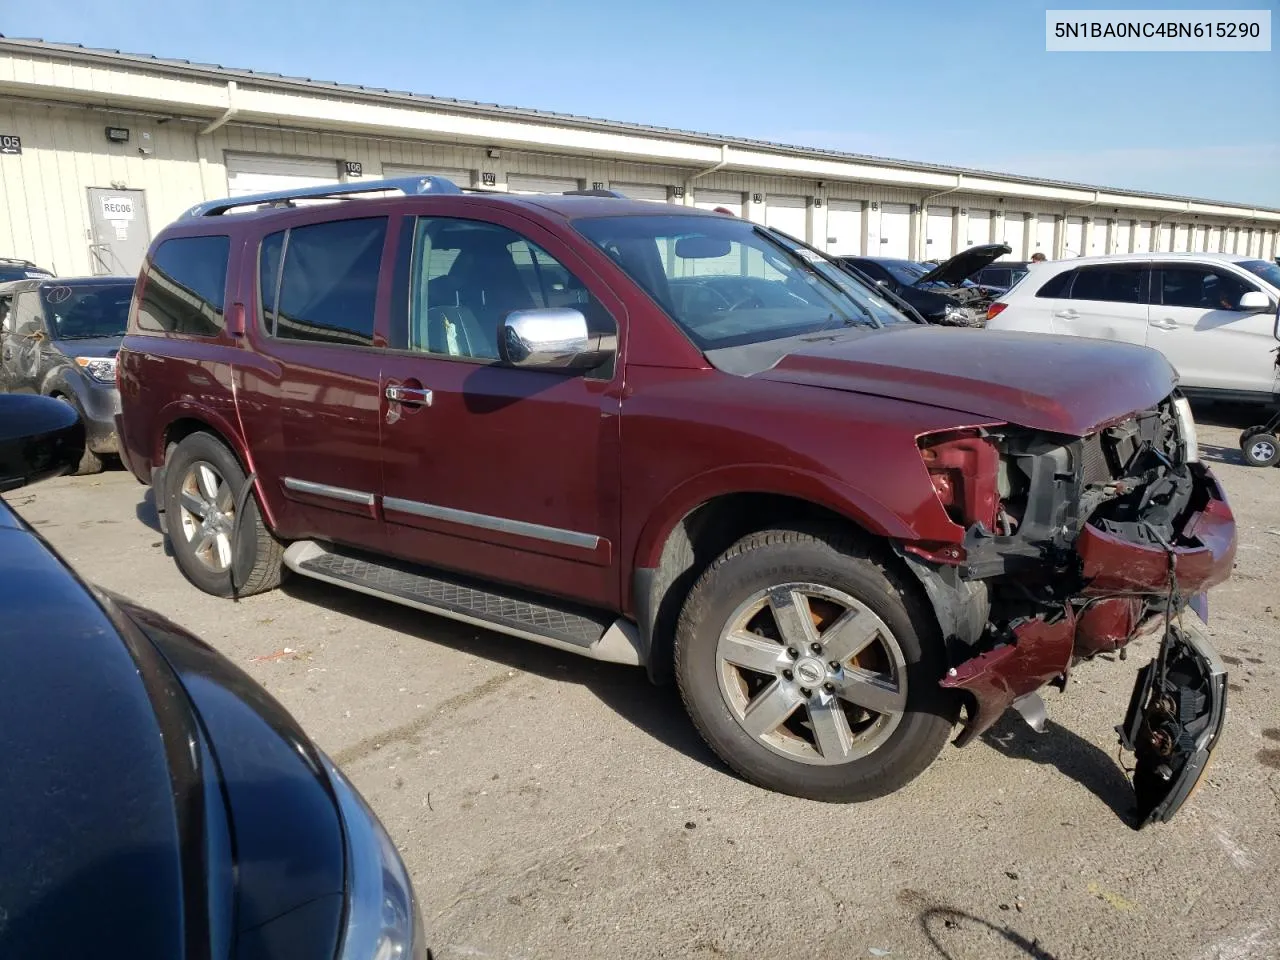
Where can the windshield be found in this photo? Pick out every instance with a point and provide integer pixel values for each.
(726, 282)
(1269, 272)
(88, 310)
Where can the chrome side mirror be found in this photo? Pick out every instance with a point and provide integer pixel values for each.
(1255, 301)
(550, 338)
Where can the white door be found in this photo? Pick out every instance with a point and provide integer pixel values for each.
(1044, 235)
(1015, 235)
(1106, 302)
(1164, 238)
(248, 174)
(649, 192)
(526, 183)
(1124, 237)
(788, 214)
(1230, 236)
(1182, 237)
(1212, 345)
(1142, 237)
(1214, 244)
(978, 229)
(844, 227)
(1101, 236)
(1073, 243)
(456, 176)
(895, 231)
(938, 232)
(1269, 246)
(710, 199)
(1199, 238)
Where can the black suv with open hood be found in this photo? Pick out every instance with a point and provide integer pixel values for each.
(943, 294)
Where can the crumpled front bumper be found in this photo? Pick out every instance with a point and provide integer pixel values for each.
(1127, 588)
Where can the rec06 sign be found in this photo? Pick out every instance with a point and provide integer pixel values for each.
(9, 144)
(117, 208)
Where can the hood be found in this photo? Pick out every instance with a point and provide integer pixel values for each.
(1065, 385)
(964, 265)
(87, 791)
(90, 346)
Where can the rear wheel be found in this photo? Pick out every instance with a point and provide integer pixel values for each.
(811, 670)
(1260, 447)
(203, 482)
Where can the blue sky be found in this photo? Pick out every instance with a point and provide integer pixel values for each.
(934, 80)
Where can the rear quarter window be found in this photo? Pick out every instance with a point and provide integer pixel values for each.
(1057, 285)
(184, 286)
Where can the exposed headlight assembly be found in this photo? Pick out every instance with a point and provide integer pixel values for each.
(1187, 428)
(382, 914)
(961, 316)
(101, 369)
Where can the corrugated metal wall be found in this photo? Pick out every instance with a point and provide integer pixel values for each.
(44, 212)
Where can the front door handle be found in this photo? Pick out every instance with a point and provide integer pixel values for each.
(1165, 324)
(415, 396)
(1066, 315)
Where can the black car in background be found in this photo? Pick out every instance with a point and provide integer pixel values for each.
(157, 803)
(11, 269)
(59, 338)
(1001, 276)
(942, 294)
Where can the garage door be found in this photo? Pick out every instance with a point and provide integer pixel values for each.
(937, 233)
(844, 227)
(1045, 227)
(1015, 235)
(710, 199)
(1101, 236)
(1142, 237)
(1073, 243)
(978, 230)
(257, 174)
(895, 231)
(1199, 238)
(523, 183)
(787, 214)
(649, 192)
(1164, 238)
(1124, 237)
(461, 178)
(1269, 246)
(1182, 237)
(1214, 244)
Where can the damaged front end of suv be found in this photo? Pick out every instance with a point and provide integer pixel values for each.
(1074, 547)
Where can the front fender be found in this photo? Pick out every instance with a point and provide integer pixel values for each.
(856, 505)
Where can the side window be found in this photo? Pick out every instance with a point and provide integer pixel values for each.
(1202, 288)
(5, 303)
(1113, 284)
(328, 285)
(28, 314)
(995, 276)
(1058, 285)
(184, 285)
(465, 276)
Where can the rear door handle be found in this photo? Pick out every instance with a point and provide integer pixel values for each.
(1165, 324)
(416, 396)
(1066, 315)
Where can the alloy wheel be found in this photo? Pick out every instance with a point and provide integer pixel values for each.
(206, 507)
(812, 673)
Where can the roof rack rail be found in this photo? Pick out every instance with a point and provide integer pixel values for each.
(595, 193)
(409, 186)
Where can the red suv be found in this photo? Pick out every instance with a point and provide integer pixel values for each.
(660, 436)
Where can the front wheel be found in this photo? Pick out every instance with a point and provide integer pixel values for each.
(90, 462)
(810, 669)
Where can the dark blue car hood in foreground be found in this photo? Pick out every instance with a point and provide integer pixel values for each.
(124, 745)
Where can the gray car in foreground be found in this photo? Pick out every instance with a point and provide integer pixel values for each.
(59, 338)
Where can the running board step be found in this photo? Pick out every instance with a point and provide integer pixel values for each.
(593, 634)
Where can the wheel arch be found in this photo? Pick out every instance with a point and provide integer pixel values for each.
(669, 562)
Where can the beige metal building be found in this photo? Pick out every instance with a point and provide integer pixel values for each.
(99, 149)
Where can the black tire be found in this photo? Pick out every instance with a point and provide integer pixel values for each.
(90, 462)
(772, 557)
(256, 550)
(1260, 447)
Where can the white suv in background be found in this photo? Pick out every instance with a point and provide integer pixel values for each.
(1213, 315)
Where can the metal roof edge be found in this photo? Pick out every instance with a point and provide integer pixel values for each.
(269, 80)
